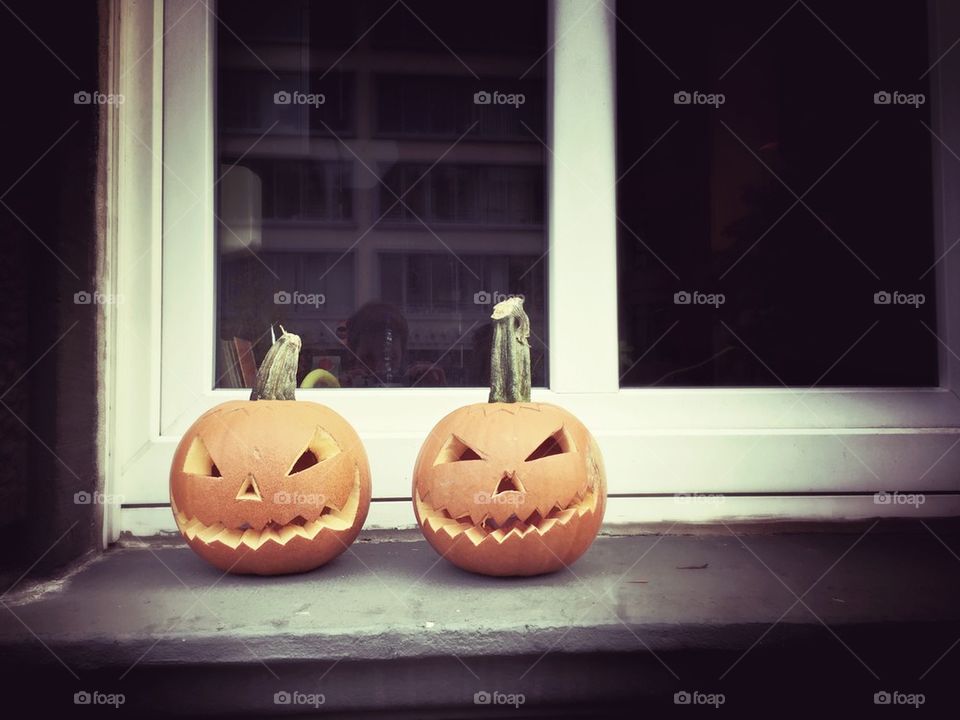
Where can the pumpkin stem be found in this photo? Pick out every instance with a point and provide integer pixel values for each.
(277, 376)
(510, 353)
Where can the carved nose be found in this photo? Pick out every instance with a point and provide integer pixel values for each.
(508, 483)
(249, 489)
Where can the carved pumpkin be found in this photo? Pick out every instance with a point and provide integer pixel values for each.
(270, 485)
(510, 487)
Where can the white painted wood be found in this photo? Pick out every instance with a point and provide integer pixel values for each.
(377, 410)
(945, 119)
(705, 508)
(187, 344)
(659, 441)
(669, 461)
(107, 205)
(582, 205)
(134, 344)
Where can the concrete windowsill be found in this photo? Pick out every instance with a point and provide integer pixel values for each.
(388, 628)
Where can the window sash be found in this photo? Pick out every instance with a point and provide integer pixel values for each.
(756, 441)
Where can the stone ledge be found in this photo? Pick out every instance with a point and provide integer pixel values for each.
(386, 628)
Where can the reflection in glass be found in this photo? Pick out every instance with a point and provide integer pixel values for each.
(381, 185)
(766, 197)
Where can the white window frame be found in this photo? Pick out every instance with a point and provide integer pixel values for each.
(769, 452)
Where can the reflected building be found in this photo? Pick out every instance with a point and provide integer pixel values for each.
(370, 154)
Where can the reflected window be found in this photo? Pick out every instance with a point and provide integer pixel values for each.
(381, 185)
(775, 195)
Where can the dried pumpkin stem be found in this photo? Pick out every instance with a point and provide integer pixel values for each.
(510, 353)
(277, 376)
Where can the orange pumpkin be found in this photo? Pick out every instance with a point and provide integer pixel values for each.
(270, 485)
(510, 487)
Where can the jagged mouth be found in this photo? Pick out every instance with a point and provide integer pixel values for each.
(330, 518)
(534, 524)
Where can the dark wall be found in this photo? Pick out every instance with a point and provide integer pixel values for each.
(48, 252)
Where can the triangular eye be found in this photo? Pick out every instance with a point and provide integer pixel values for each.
(198, 460)
(456, 450)
(322, 447)
(557, 444)
(306, 460)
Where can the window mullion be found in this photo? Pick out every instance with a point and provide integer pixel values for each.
(582, 253)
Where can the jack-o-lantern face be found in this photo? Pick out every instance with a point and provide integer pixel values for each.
(510, 488)
(269, 487)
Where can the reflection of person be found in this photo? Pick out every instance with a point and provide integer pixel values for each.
(377, 336)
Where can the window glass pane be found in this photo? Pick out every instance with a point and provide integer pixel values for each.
(775, 203)
(381, 184)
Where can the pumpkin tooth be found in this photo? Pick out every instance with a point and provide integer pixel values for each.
(343, 518)
(589, 504)
(424, 509)
(190, 527)
(437, 520)
(270, 534)
(251, 538)
(313, 528)
(545, 526)
(288, 532)
(570, 502)
(546, 510)
(516, 532)
(208, 533)
(500, 536)
(335, 521)
(437, 523)
(475, 535)
(451, 530)
(564, 517)
(231, 538)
